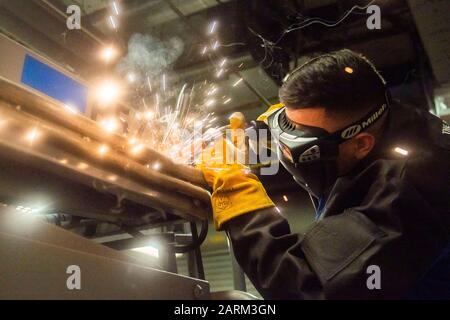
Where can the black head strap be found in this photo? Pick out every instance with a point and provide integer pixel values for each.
(361, 125)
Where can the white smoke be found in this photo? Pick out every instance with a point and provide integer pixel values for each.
(149, 56)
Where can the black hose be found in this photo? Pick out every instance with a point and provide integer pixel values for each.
(196, 240)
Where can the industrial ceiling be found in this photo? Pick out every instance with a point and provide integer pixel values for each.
(245, 29)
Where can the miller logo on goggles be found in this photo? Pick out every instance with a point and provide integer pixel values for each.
(357, 128)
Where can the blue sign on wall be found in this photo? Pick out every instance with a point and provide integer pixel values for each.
(53, 83)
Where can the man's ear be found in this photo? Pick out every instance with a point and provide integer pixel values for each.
(364, 143)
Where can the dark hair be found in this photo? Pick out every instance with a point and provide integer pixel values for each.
(343, 82)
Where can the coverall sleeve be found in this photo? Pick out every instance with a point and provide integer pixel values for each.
(271, 256)
(336, 258)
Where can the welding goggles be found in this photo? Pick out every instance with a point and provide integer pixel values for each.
(308, 152)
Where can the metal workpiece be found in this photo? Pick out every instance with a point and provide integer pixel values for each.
(45, 108)
(37, 259)
(65, 145)
(62, 139)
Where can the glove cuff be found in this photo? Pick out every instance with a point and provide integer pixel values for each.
(235, 194)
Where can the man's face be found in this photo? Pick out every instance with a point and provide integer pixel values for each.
(350, 151)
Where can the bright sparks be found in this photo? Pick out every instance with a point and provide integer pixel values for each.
(71, 109)
(212, 28)
(109, 125)
(164, 82)
(32, 135)
(156, 166)
(210, 102)
(211, 92)
(115, 8)
(401, 151)
(149, 115)
(131, 77)
(113, 22)
(238, 82)
(348, 70)
(285, 198)
(103, 149)
(82, 166)
(107, 93)
(149, 84)
(137, 149)
(132, 141)
(108, 53)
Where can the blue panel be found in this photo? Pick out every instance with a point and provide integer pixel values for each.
(53, 83)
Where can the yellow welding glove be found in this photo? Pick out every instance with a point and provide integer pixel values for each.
(236, 190)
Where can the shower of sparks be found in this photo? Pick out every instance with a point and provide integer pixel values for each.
(168, 116)
(166, 122)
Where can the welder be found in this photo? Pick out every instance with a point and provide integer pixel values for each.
(378, 173)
